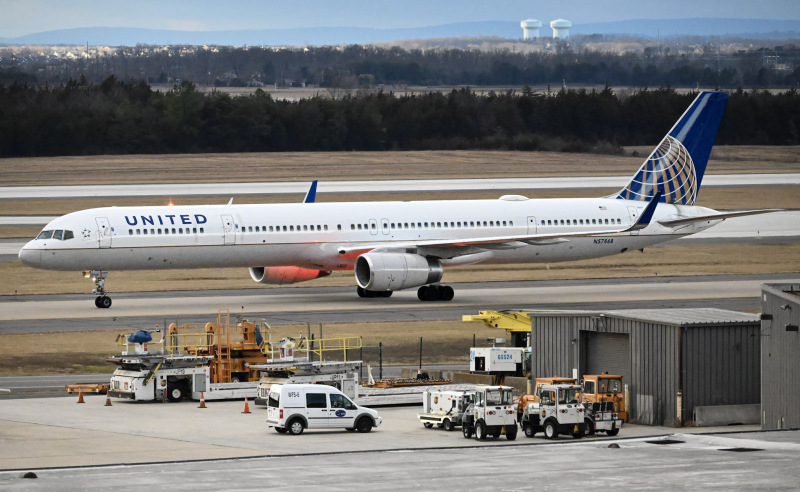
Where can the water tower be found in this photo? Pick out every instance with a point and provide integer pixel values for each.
(560, 28)
(530, 28)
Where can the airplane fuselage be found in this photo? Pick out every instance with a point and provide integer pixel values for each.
(313, 235)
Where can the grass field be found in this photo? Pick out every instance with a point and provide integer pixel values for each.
(334, 166)
(444, 341)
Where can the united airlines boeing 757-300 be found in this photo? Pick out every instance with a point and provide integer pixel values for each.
(397, 245)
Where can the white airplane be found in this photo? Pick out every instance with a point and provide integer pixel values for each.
(396, 245)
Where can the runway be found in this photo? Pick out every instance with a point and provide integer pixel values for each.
(340, 304)
(386, 186)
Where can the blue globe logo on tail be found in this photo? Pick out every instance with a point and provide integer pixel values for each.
(676, 166)
(669, 169)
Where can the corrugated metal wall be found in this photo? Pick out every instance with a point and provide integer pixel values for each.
(654, 371)
(554, 344)
(780, 358)
(721, 366)
(720, 361)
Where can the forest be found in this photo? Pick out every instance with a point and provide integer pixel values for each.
(119, 117)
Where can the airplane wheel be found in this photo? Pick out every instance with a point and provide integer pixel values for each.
(361, 292)
(97, 301)
(446, 293)
(428, 293)
(103, 302)
(387, 293)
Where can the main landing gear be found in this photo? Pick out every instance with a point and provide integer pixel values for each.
(99, 278)
(435, 292)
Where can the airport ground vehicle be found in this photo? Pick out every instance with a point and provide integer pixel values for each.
(293, 408)
(558, 411)
(445, 409)
(490, 414)
(602, 409)
(608, 389)
(191, 360)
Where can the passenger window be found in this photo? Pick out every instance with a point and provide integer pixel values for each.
(130, 232)
(202, 230)
(338, 227)
(194, 230)
(316, 400)
(326, 227)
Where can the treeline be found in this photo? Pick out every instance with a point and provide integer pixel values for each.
(686, 65)
(117, 117)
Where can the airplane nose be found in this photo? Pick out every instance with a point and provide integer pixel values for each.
(31, 257)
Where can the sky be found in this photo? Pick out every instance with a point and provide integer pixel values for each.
(19, 17)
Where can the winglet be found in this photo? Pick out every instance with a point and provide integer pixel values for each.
(647, 214)
(311, 196)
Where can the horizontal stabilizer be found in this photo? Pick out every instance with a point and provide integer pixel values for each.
(720, 216)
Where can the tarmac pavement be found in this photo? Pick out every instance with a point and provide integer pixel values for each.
(130, 445)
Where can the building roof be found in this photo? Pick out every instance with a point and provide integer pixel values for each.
(692, 316)
(678, 317)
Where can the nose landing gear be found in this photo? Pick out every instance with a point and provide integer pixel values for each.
(99, 278)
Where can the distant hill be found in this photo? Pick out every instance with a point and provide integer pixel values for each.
(111, 36)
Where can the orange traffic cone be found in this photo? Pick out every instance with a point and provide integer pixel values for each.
(108, 399)
(246, 406)
(80, 396)
(202, 400)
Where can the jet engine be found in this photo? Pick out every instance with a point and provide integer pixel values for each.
(396, 271)
(285, 274)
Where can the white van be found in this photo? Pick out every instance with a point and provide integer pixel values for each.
(295, 407)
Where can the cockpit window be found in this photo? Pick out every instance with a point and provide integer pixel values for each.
(58, 234)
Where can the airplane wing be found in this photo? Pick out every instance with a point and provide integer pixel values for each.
(506, 242)
(720, 216)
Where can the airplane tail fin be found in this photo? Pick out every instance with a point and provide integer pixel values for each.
(676, 166)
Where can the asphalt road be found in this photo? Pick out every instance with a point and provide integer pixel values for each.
(387, 186)
(340, 304)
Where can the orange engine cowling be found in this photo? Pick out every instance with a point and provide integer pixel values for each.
(285, 274)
